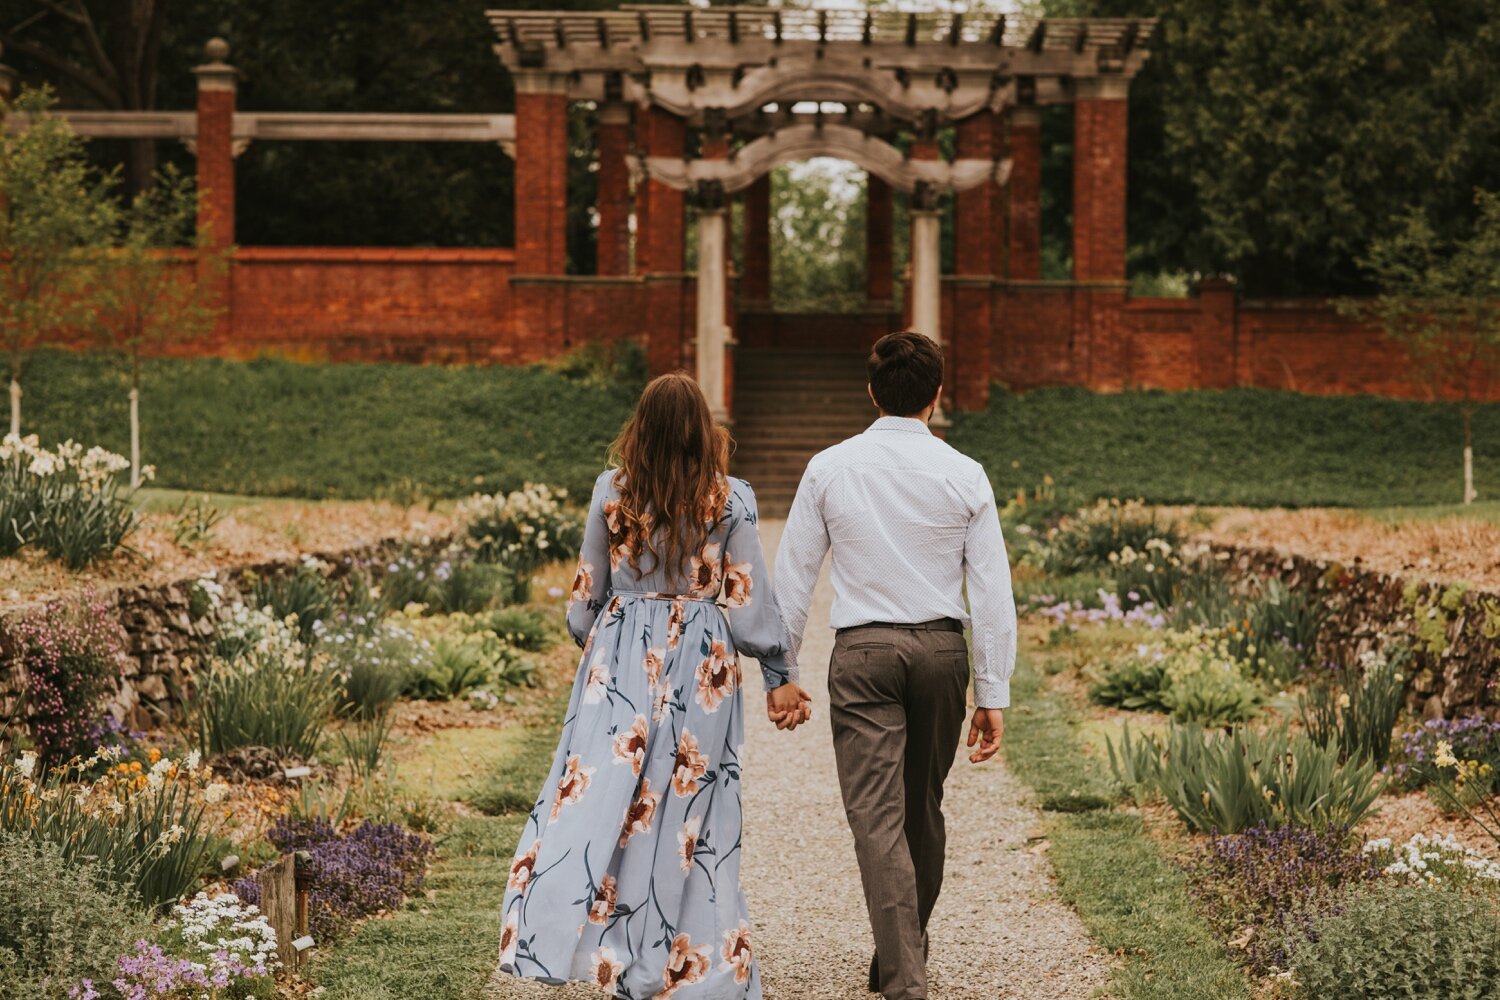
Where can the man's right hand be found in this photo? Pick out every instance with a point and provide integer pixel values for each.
(986, 729)
(788, 706)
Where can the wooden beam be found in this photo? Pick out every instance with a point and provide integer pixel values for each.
(603, 28)
(997, 33)
(1128, 40)
(955, 29)
(1083, 38)
(911, 29)
(1038, 37)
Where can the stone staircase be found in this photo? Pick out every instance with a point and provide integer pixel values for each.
(788, 406)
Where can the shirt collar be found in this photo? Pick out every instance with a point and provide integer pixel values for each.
(910, 425)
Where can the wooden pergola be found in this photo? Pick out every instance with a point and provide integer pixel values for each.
(761, 86)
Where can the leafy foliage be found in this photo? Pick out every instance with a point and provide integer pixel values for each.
(1391, 941)
(259, 701)
(1354, 709)
(71, 655)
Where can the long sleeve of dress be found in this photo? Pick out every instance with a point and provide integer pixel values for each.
(591, 583)
(754, 621)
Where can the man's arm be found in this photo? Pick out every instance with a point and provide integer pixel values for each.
(992, 604)
(799, 560)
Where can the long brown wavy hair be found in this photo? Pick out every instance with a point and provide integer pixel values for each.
(673, 460)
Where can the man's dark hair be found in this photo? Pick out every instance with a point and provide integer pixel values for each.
(906, 371)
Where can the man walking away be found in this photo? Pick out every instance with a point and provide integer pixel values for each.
(911, 524)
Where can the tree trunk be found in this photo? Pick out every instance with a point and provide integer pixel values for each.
(15, 406)
(1469, 495)
(135, 423)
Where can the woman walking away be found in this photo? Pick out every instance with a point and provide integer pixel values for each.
(627, 874)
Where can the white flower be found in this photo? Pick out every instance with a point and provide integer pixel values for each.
(26, 763)
(215, 792)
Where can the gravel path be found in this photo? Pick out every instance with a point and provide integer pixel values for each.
(999, 930)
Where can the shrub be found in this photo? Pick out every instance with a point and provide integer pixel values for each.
(1229, 782)
(374, 663)
(1390, 941)
(369, 869)
(256, 632)
(1354, 711)
(143, 827)
(1214, 696)
(522, 531)
(60, 920)
(1135, 684)
(1192, 675)
(1261, 887)
(531, 629)
(446, 582)
(1085, 540)
(71, 654)
(264, 701)
(1136, 764)
(464, 656)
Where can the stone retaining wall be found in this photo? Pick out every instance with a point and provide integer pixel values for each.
(164, 639)
(1454, 631)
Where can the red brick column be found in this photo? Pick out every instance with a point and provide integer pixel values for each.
(1218, 348)
(8, 78)
(975, 214)
(613, 143)
(755, 285)
(1100, 132)
(1025, 189)
(879, 286)
(215, 144)
(671, 309)
(541, 174)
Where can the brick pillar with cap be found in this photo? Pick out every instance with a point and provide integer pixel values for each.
(214, 144)
(755, 286)
(1099, 149)
(613, 144)
(880, 290)
(541, 173)
(968, 355)
(671, 312)
(1024, 226)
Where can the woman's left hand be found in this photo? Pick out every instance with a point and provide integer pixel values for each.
(788, 706)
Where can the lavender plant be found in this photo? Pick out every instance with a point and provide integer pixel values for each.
(1262, 888)
(369, 869)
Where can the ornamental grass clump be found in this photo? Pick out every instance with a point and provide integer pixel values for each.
(1261, 888)
(355, 874)
(1388, 941)
(1227, 782)
(264, 701)
(145, 828)
(71, 655)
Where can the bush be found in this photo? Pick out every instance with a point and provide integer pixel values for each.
(271, 427)
(71, 655)
(264, 701)
(1228, 782)
(255, 632)
(1390, 941)
(1261, 887)
(60, 921)
(303, 598)
(1354, 711)
(1192, 675)
(522, 531)
(1135, 684)
(1085, 540)
(143, 827)
(1440, 862)
(375, 663)
(531, 629)
(369, 869)
(464, 656)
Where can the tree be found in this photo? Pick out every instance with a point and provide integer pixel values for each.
(110, 58)
(1275, 140)
(1440, 300)
(52, 207)
(145, 295)
(817, 237)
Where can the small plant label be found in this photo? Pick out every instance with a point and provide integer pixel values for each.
(303, 943)
(297, 772)
(230, 862)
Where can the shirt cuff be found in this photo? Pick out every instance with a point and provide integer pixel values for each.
(991, 693)
(776, 670)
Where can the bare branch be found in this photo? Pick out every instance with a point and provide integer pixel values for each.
(93, 82)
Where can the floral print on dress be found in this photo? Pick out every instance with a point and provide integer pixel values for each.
(626, 874)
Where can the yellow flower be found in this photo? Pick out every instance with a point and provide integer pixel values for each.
(1445, 756)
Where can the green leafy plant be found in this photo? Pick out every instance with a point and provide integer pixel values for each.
(1136, 684)
(531, 629)
(1354, 710)
(61, 920)
(1212, 697)
(1227, 782)
(1086, 540)
(522, 531)
(263, 702)
(364, 743)
(1390, 941)
(1136, 764)
(306, 592)
(194, 520)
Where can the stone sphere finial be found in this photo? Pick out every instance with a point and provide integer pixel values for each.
(216, 50)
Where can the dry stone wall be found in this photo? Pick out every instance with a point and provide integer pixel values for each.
(1454, 630)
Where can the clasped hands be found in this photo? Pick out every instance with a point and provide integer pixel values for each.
(788, 706)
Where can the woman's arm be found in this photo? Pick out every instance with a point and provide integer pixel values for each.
(754, 620)
(591, 583)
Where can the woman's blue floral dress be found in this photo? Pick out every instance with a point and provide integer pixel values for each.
(627, 874)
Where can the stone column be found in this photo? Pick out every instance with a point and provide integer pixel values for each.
(613, 142)
(755, 286)
(1100, 133)
(879, 277)
(541, 173)
(214, 144)
(1025, 222)
(926, 264)
(712, 333)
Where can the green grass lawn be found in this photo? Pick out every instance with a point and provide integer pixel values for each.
(281, 428)
(1253, 447)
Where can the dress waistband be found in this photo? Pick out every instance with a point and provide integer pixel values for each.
(652, 595)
